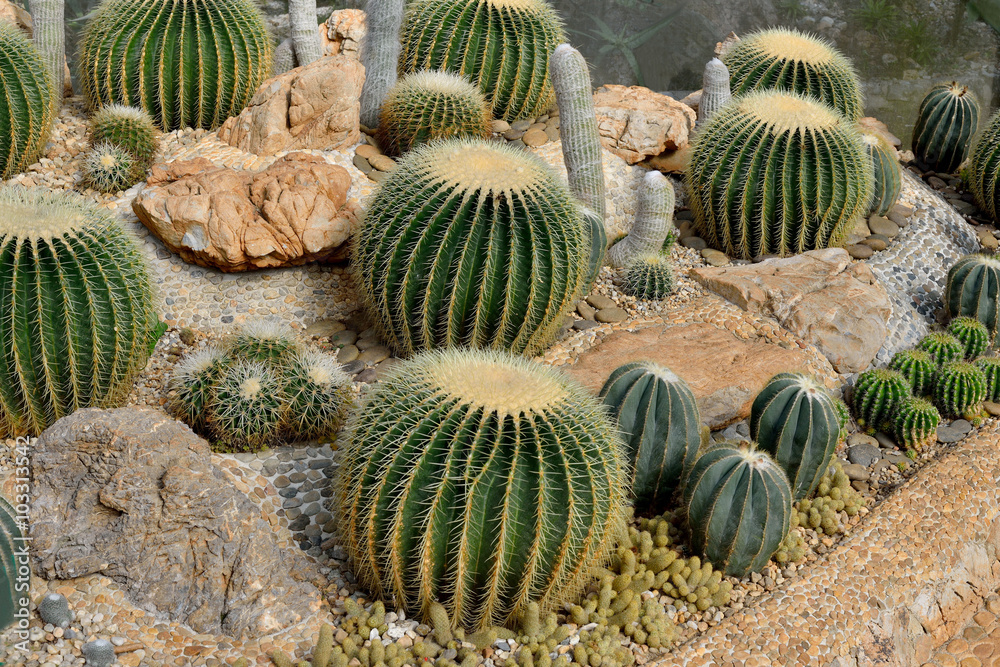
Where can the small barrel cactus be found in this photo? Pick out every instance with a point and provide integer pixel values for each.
(130, 128)
(960, 389)
(888, 174)
(990, 366)
(26, 108)
(715, 89)
(794, 420)
(649, 277)
(739, 506)
(502, 46)
(318, 394)
(468, 243)
(429, 105)
(99, 653)
(943, 347)
(971, 290)
(877, 394)
(918, 367)
(482, 481)
(843, 418)
(247, 407)
(77, 338)
(783, 59)
(192, 385)
(658, 417)
(54, 608)
(915, 423)
(189, 64)
(972, 334)
(946, 121)
(108, 168)
(263, 340)
(653, 221)
(742, 208)
(984, 168)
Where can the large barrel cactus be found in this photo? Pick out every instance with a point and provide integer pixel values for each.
(11, 540)
(779, 173)
(482, 481)
(984, 168)
(947, 119)
(26, 103)
(189, 64)
(76, 308)
(739, 507)
(888, 174)
(794, 420)
(971, 290)
(503, 46)
(659, 419)
(470, 244)
(784, 59)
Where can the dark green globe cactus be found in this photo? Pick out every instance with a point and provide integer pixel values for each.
(482, 481)
(26, 109)
(990, 366)
(877, 394)
(984, 168)
(658, 417)
(189, 64)
(942, 347)
(888, 173)
(76, 308)
(972, 334)
(502, 46)
(915, 423)
(946, 121)
(108, 168)
(918, 367)
(777, 173)
(960, 389)
(129, 128)
(649, 277)
(468, 243)
(971, 290)
(788, 60)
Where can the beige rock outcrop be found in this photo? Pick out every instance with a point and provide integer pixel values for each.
(342, 33)
(293, 212)
(636, 123)
(820, 296)
(315, 106)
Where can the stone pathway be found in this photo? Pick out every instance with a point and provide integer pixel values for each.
(977, 645)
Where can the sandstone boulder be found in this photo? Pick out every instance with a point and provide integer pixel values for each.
(290, 213)
(636, 123)
(820, 296)
(132, 495)
(342, 33)
(873, 124)
(315, 106)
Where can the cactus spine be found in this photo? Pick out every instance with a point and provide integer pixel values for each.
(305, 33)
(984, 168)
(649, 277)
(915, 423)
(795, 421)
(481, 481)
(972, 334)
(888, 174)
(26, 107)
(942, 347)
(192, 386)
(739, 507)
(990, 366)
(318, 392)
(653, 220)
(877, 394)
(715, 90)
(918, 367)
(971, 290)
(49, 35)
(658, 417)
(946, 121)
(960, 389)
(380, 55)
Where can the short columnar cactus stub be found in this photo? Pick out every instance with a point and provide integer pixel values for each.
(658, 417)
(481, 481)
(960, 389)
(653, 221)
(918, 367)
(715, 89)
(888, 174)
(795, 421)
(877, 394)
(470, 244)
(972, 334)
(943, 347)
(971, 290)
(915, 423)
(649, 277)
(946, 121)
(778, 173)
(26, 107)
(984, 168)
(380, 55)
(76, 308)
(990, 366)
(739, 507)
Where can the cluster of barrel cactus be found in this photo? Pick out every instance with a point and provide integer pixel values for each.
(123, 146)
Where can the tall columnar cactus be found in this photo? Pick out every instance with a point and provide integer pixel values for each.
(581, 146)
(503, 46)
(915, 423)
(971, 290)
(946, 121)
(972, 334)
(918, 367)
(795, 421)
(48, 21)
(777, 172)
(715, 90)
(26, 107)
(481, 481)
(990, 366)
(943, 347)
(739, 507)
(653, 220)
(888, 174)
(189, 64)
(649, 277)
(11, 536)
(984, 168)
(468, 243)
(130, 128)
(380, 55)
(877, 394)
(788, 60)
(960, 389)
(305, 33)
(76, 308)
(658, 417)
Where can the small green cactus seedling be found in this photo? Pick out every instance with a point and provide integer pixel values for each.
(649, 277)
(129, 128)
(943, 348)
(960, 389)
(972, 333)
(108, 168)
(946, 121)
(318, 392)
(247, 407)
(915, 423)
(990, 366)
(971, 290)
(877, 394)
(918, 367)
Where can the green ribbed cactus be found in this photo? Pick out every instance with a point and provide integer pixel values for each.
(788, 60)
(653, 221)
(888, 174)
(658, 417)
(843, 418)
(481, 481)
(649, 277)
(972, 334)
(794, 420)
(26, 107)
(990, 366)
(503, 46)
(189, 64)
(984, 168)
(263, 340)
(918, 367)
(971, 290)
(429, 105)
(76, 308)
(915, 423)
(318, 392)
(192, 386)
(960, 389)
(247, 407)
(469, 243)
(11, 534)
(108, 168)
(946, 121)
(877, 394)
(739, 506)
(942, 347)
(743, 207)
(130, 128)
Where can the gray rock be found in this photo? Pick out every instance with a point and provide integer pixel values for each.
(993, 409)
(99, 653)
(856, 472)
(694, 242)
(353, 367)
(950, 434)
(611, 315)
(583, 325)
(347, 354)
(860, 438)
(961, 425)
(863, 455)
(859, 251)
(714, 257)
(600, 302)
(367, 376)
(883, 226)
(885, 441)
(586, 311)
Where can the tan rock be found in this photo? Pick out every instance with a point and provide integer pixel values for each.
(18, 16)
(342, 33)
(636, 123)
(875, 125)
(820, 296)
(725, 372)
(670, 162)
(315, 106)
(293, 212)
